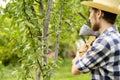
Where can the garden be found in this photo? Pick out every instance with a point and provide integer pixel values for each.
(38, 39)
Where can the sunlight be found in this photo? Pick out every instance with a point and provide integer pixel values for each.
(3, 3)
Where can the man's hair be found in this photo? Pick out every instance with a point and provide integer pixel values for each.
(109, 17)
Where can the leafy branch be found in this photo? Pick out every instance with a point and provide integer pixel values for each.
(40, 2)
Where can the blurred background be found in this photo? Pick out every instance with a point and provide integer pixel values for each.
(39, 38)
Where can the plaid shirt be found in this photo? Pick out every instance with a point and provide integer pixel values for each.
(103, 58)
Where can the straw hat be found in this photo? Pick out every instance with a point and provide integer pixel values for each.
(112, 6)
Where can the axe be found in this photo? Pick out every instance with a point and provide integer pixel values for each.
(87, 31)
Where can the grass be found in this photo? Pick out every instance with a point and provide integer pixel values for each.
(64, 73)
(6, 73)
(61, 73)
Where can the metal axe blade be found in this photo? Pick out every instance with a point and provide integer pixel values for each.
(87, 31)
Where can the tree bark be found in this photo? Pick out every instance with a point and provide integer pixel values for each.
(45, 31)
(59, 33)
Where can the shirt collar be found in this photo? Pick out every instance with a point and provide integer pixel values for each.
(112, 28)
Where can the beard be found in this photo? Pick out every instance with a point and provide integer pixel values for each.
(96, 27)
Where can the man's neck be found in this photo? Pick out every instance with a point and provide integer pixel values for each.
(104, 26)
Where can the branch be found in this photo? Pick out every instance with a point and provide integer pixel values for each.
(27, 17)
(82, 15)
(47, 18)
(38, 70)
(31, 75)
(41, 6)
(84, 18)
(40, 66)
(36, 22)
(33, 10)
(24, 9)
(37, 1)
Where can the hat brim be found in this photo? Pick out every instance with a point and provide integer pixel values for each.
(101, 7)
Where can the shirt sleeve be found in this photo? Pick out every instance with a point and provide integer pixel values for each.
(95, 55)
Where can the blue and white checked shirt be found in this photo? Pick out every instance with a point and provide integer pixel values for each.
(103, 58)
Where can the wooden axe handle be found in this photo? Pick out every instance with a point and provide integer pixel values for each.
(90, 41)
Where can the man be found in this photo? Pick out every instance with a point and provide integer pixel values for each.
(102, 59)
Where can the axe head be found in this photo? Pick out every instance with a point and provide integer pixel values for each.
(87, 31)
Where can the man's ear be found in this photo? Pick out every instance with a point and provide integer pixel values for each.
(100, 14)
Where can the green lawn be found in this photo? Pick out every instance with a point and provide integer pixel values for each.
(64, 73)
(61, 73)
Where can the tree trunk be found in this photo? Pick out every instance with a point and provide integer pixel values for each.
(45, 29)
(38, 74)
(58, 35)
(45, 32)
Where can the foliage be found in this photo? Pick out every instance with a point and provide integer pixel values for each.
(63, 72)
(21, 38)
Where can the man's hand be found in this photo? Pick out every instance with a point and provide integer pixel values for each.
(83, 49)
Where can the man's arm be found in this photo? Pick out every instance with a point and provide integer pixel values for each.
(83, 49)
(96, 54)
(75, 70)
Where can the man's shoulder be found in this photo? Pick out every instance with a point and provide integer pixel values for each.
(108, 39)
